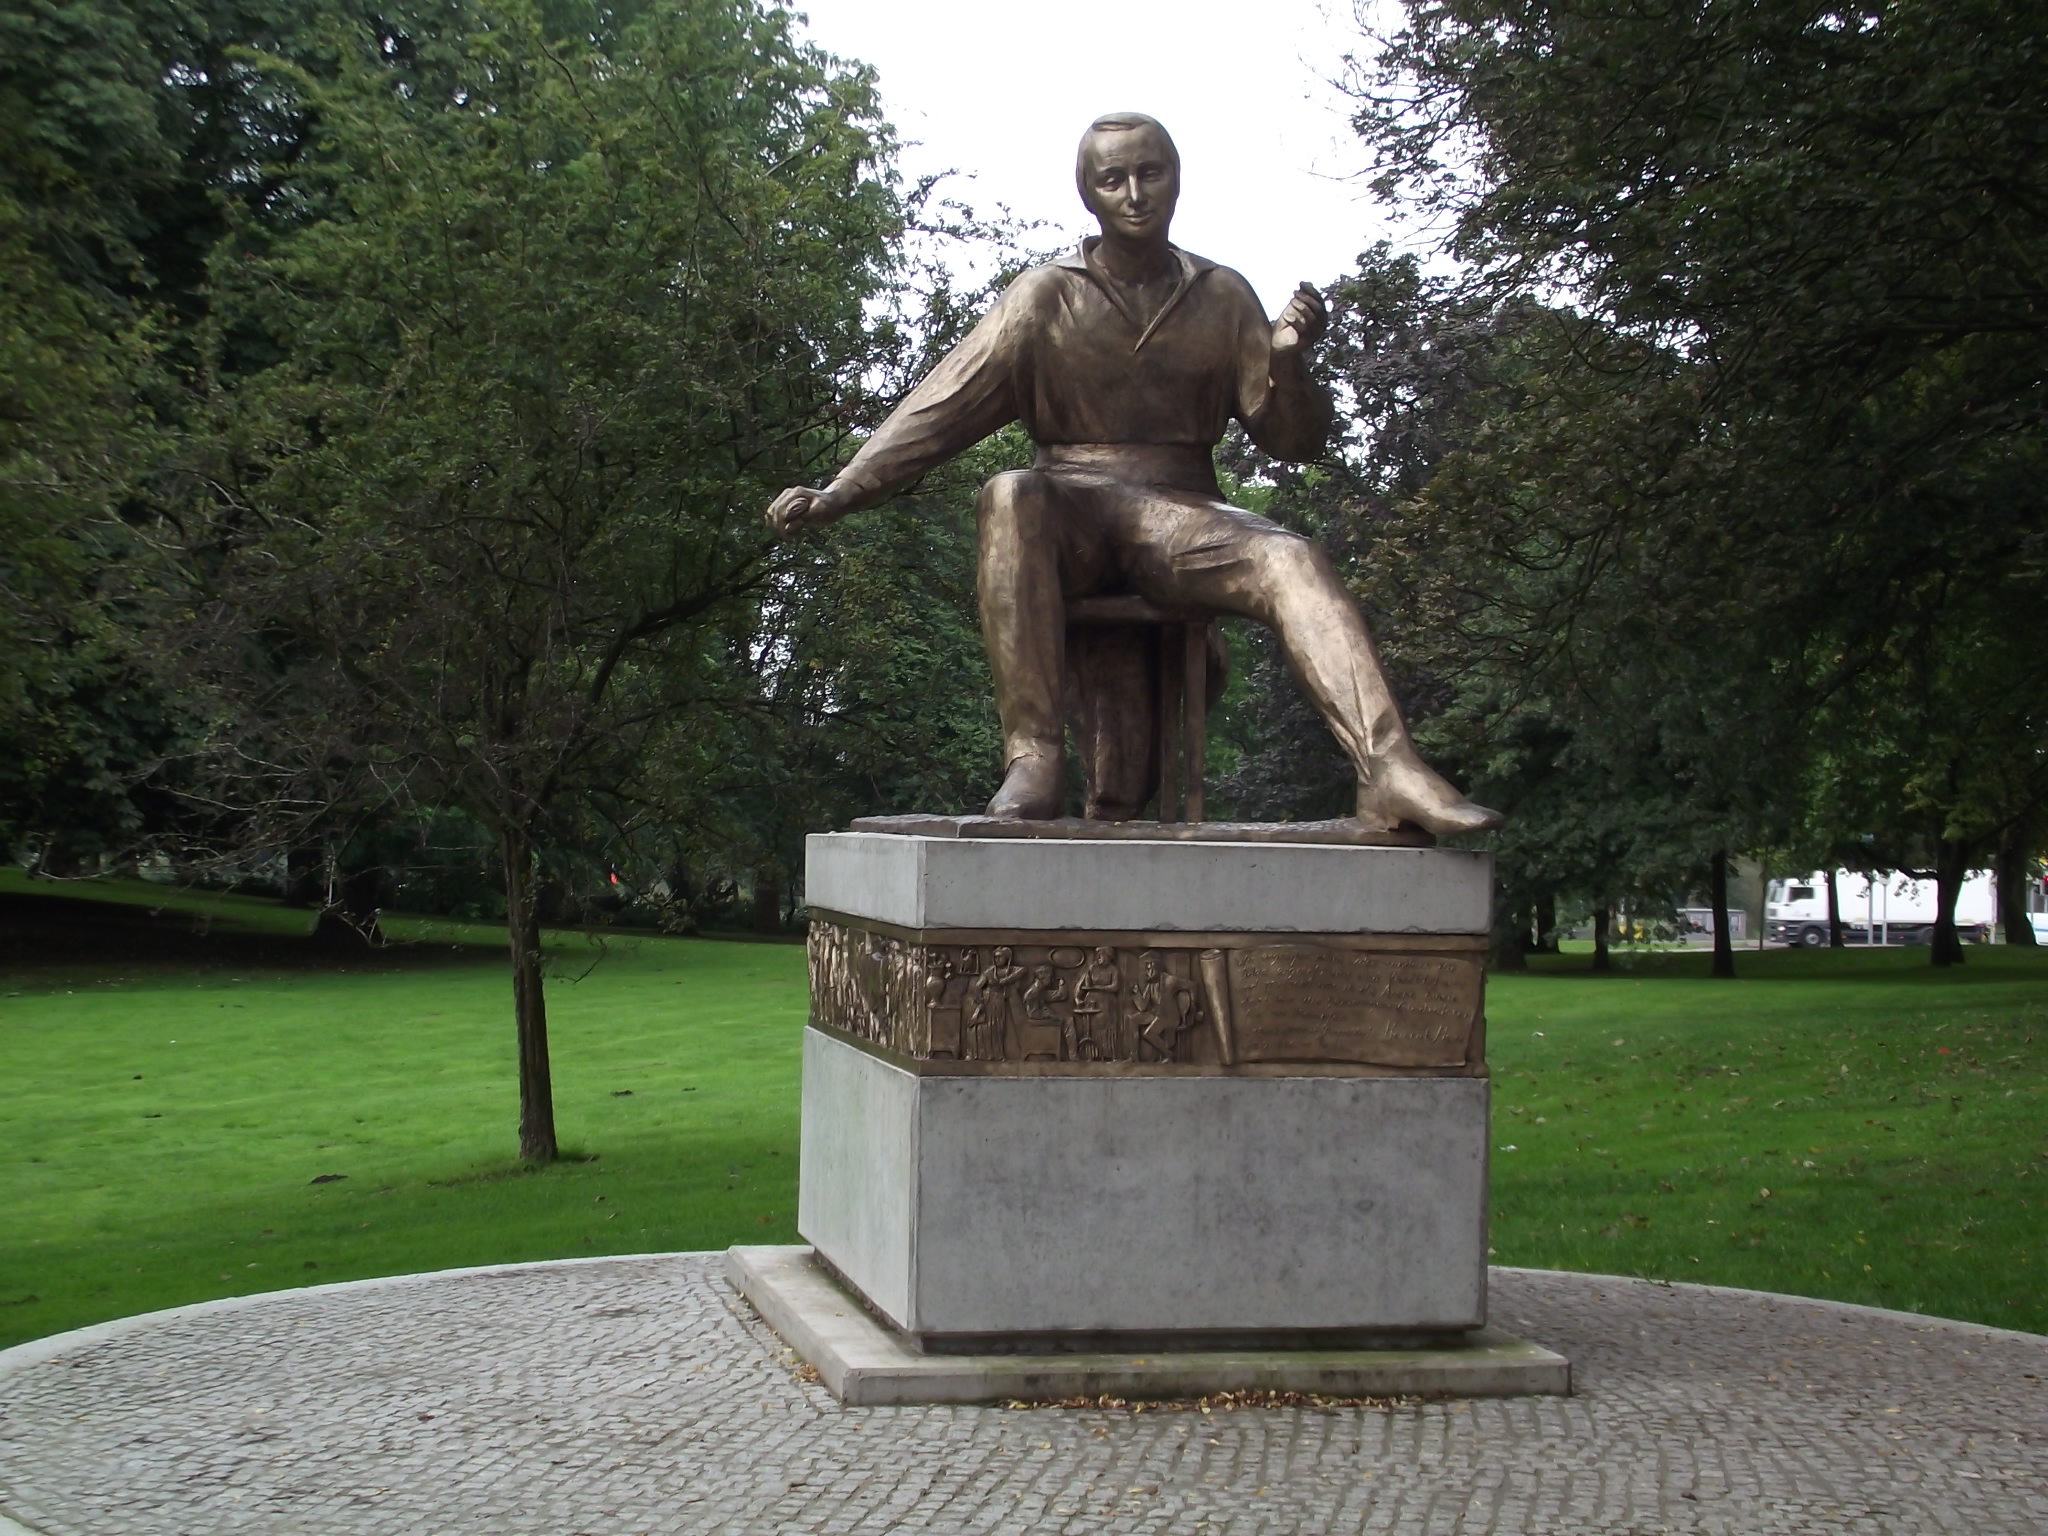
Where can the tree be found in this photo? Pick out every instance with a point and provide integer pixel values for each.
(1795, 446)
(576, 298)
(130, 134)
(1941, 754)
(81, 147)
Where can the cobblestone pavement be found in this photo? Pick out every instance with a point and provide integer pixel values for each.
(641, 1395)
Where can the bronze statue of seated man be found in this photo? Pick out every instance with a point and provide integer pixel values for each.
(1125, 361)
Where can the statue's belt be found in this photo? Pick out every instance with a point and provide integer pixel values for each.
(1189, 466)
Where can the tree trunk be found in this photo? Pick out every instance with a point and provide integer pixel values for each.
(1763, 911)
(1724, 942)
(767, 900)
(353, 921)
(2015, 873)
(1834, 913)
(1950, 865)
(1510, 937)
(1546, 924)
(1601, 962)
(362, 894)
(529, 1004)
(305, 876)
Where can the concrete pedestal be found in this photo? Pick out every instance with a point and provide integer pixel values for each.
(1128, 884)
(1065, 1094)
(1133, 1211)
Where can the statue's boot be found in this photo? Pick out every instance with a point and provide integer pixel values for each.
(1032, 789)
(1403, 790)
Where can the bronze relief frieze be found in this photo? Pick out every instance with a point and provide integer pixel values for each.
(968, 1002)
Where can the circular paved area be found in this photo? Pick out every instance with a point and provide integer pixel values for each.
(613, 1396)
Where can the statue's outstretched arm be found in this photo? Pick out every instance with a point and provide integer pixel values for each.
(968, 396)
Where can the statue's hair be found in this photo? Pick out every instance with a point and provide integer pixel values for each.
(1120, 122)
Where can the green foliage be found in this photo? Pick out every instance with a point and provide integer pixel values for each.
(125, 133)
(486, 533)
(79, 146)
(1741, 527)
(1793, 191)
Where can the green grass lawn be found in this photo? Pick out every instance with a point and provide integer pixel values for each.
(163, 1126)
(1896, 1115)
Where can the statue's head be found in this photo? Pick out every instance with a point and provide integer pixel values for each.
(1129, 175)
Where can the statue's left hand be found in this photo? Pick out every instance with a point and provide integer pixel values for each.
(1302, 322)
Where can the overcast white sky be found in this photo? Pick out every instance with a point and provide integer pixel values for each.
(1003, 92)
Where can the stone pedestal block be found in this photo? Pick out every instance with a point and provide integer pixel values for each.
(1133, 884)
(1069, 1092)
(1067, 1210)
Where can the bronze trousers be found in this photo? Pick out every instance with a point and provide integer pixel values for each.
(1088, 519)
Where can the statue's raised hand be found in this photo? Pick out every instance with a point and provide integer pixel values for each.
(799, 508)
(1302, 322)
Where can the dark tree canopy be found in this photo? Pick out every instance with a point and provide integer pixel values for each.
(1765, 470)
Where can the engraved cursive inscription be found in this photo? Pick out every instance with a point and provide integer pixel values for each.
(1307, 1002)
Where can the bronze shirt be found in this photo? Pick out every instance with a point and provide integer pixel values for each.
(1060, 353)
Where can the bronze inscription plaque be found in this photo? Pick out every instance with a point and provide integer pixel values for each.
(1307, 1002)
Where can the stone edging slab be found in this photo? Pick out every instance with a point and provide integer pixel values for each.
(863, 1364)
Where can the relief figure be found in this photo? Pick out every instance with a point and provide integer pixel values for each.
(941, 1006)
(1163, 1006)
(1043, 1034)
(995, 1020)
(1094, 1019)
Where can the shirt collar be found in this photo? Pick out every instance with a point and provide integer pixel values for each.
(1083, 259)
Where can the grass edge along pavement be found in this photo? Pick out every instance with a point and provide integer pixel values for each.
(185, 1132)
(1850, 1125)
(1638, 1119)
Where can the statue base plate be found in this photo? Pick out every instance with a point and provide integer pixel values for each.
(862, 1362)
(1345, 832)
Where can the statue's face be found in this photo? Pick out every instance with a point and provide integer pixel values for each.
(1129, 181)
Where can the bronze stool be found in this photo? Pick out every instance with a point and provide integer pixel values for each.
(1122, 648)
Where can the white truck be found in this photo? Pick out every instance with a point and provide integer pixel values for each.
(1876, 909)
